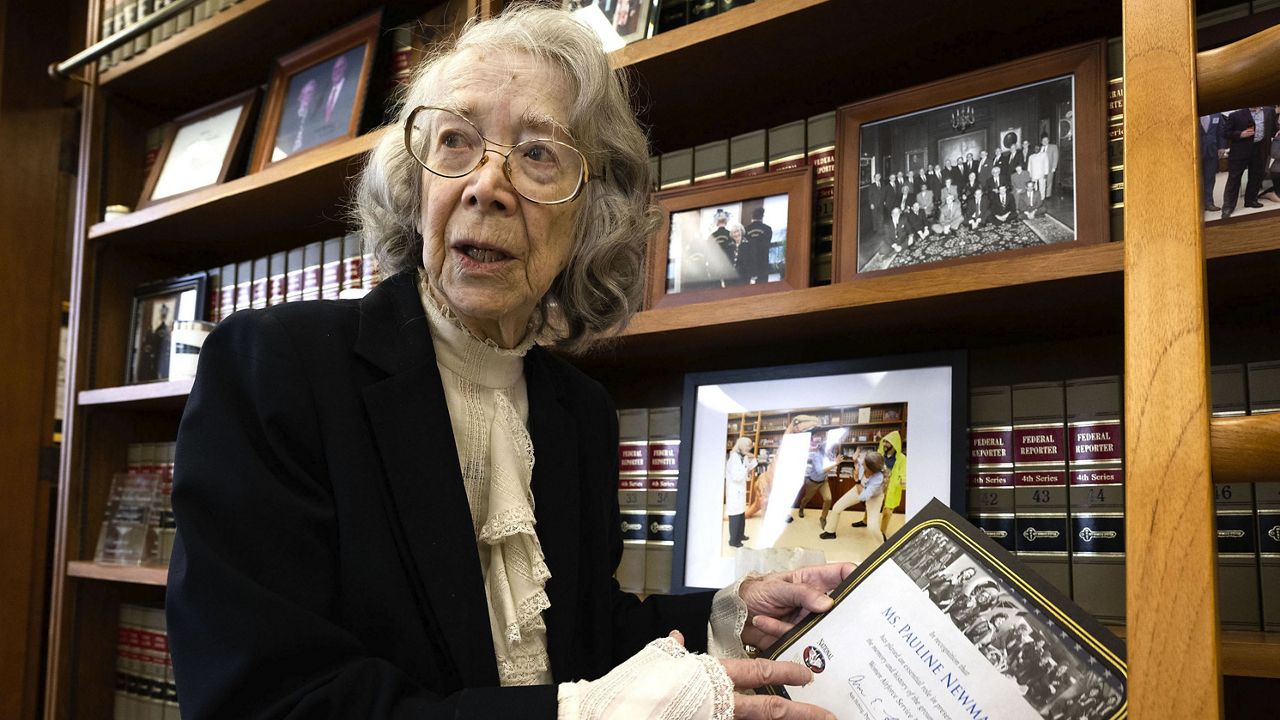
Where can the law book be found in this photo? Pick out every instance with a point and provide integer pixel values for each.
(213, 294)
(244, 285)
(820, 141)
(786, 146)
(1040, 480)
(633, 486)
(1115, 135)
(153, 650)
(168, 524)
(370, 273)
(106, 30)
(295, 263)
(677, 169)
(747, 154)
(261, 278)
(142, 8)
(1264, 387)
(1227, 396)
(1095, 457)
(352, 259)
(227, 292)
(1267, 501)
(331, 269)
(711, 161)
(664, 475)
(312, 265)
(127, 15)
(277, 271)
(1239, 606)
(672, 14)
(990, 497)
(128, 665)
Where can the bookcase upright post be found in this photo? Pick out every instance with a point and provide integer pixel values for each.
(1172, 600)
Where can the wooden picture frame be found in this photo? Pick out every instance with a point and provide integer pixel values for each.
(299, 114)
(991, 91)
(156, 308)
(208, 139)
(717, 276)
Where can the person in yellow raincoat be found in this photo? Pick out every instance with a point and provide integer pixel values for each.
(894, 458)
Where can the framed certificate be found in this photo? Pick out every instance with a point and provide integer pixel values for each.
(942, 622)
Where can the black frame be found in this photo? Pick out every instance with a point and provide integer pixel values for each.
(957, 360)
(198, 281)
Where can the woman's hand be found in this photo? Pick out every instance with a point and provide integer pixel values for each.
(777, 601)
(758, 672)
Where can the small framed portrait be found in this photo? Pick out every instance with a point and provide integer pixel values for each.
(1008, 174)
(201, 148)
(156, 307)
(615, 22)
(316, 94)
(808, 463)
(732, 238)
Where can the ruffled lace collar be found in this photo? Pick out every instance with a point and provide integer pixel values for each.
(479, 360)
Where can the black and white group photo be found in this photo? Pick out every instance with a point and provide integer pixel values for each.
(982, 175)
(1053, 672)
(728, 244)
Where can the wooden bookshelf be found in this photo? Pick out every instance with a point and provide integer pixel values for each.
(714, 28)
(171, 393)
(1245, 653)
(245, 39)
(138, 575)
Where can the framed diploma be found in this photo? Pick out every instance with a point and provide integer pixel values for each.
(941, 622)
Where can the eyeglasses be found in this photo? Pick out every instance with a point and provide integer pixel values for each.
(544, 171)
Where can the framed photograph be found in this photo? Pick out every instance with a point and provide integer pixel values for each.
(808, 463)
(616, 22)
(1020, 165)
(201, 148)
(156, 307)
(732, 238)
(316, 94)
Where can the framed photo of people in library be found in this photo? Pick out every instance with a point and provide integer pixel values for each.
(1010, 158)
(156, 307)
(316, 95)
(616, 22)
(732, 239)
(806, 464)
(201, 148)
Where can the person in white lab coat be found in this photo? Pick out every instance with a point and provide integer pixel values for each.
(736, 470)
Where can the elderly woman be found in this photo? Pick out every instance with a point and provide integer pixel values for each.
(405, 507)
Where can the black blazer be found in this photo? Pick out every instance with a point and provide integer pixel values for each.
(325, 564)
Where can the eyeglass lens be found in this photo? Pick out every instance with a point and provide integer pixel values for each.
(540, 170)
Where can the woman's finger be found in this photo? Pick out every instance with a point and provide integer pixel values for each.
(677, 636)
(770, 626)
(757, 638)
(758, 672)
(775, 707)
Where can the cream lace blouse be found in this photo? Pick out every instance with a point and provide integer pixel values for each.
(485, 391)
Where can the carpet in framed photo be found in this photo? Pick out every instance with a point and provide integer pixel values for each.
(997, 171)
(809, 463)
(735, 238)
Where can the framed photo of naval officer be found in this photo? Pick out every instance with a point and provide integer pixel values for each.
(732, 238)
(316, 94)
(997, 173)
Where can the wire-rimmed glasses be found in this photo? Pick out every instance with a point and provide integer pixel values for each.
(544, 171)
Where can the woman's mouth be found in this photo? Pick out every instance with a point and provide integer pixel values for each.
(483, 254)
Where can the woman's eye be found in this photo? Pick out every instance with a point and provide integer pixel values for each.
(539, 153)
(453, 139)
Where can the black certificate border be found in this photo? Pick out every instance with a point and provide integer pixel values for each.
(1035, 590)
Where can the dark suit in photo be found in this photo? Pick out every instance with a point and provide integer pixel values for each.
(1212, 138)
(1248, 153)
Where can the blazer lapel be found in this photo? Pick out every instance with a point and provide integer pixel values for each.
(410, 420)
(556, 497)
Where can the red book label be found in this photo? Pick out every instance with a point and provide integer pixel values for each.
(1040, 478)
(664, 457)
(633, 457)
(824, 165)
(1098, 476)
(259, 298)
(991, 447)
(276, 290)
(634, 482)
(990, 479)
(1039, 444)
(351, 269)
(244, 294)
(332, 275)
(293, 284)
(1096, 442)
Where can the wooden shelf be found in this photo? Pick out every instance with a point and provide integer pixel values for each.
(113, 573)
(1245, 653)
(1245, 449)
(716, 27)
(172, 393)
(255, 213)
(227, 53)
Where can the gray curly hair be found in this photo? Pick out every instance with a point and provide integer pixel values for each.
(601, 286)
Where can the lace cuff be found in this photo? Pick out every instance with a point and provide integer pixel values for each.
(728, 618)
(662, 680)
